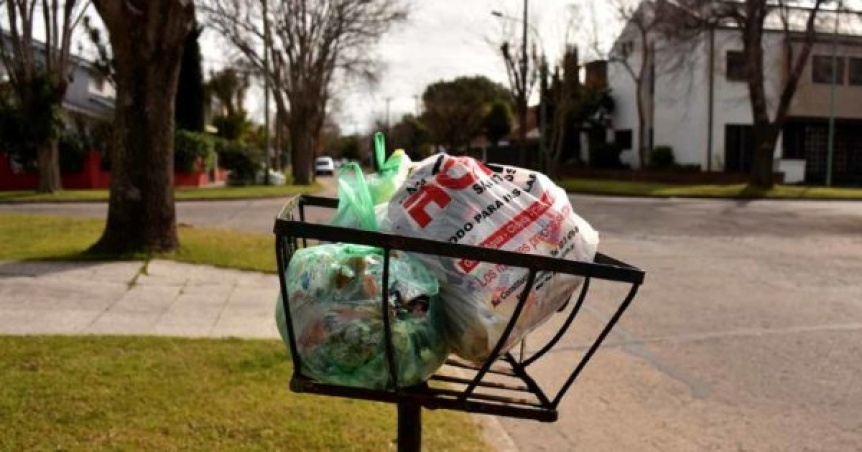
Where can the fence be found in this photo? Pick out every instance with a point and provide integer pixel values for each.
(92, 176)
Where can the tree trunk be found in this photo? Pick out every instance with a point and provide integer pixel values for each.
(48, 159)
(761, 168)
(148, 49)
(642, 144)
(302, 150)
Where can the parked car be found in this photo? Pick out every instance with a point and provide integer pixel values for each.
(324, 165)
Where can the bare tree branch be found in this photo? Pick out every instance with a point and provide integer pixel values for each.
(312, 44)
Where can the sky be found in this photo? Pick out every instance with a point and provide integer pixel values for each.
(441, 40)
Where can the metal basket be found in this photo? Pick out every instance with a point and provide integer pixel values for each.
(501, 385)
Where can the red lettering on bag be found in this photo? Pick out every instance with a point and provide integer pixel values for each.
(416, 203)
(512, 228)
(465, 180)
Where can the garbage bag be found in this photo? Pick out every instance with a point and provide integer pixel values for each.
(390, 174)
(358, 195)
(460, 200)
(336, 309)
(355, 206)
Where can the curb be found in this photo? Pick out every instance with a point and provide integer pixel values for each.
(713, 198)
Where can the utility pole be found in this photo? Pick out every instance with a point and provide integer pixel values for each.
(265, 92)
(831, 140)
(522, 102)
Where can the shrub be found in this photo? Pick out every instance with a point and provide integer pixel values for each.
(72, 149)
(242, 160)
(191, 146)
(606, 156)
(661, 157)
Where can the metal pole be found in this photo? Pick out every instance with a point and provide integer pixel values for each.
(265, 92)
(711, 101)
(543, 102)
(831, 140)
(409, 426)
(523, 100)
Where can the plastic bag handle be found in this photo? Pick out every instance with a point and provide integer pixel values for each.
(380, 150)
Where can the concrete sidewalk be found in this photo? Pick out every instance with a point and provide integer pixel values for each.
(158, 298)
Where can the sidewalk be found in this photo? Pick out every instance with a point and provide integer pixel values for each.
(159, 298)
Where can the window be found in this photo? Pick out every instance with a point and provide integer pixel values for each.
(623, 138)
(735, 66)
(855, 74)
(738, 147)
(97, 83)
(821, 69)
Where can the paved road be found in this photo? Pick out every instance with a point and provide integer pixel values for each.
(624, 217)
(746, 336)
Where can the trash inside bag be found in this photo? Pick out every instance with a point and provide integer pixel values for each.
(459, 200)
(358, 195)
(335, 304)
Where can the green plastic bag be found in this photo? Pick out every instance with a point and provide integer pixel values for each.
(358, 196)
(355, 206)
(391, 173)
(335, 304)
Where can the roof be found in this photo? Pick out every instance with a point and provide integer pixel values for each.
(95, 106)
(73, 58)
(827, 22)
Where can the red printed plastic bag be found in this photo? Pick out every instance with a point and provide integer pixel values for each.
(459, 200)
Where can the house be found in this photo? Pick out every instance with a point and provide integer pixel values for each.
(88, 104)
(696, 98)
(89, 96)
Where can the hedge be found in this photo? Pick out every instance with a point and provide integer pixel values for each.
(191, 146)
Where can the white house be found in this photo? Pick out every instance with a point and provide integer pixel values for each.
(697, 99)
(89, 96)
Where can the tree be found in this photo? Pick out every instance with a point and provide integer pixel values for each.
(228, 87)
(750, 18)
(522, 65)
(454, 110)
(498, 121)
(635, 51)
(350, 147)
(39, 73)
(147, 38)
(571, 107)
(189, 104)
(312, 44)
(411, 135)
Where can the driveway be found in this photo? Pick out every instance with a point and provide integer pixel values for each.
(746, 336)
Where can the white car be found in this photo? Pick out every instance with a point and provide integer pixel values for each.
(324, 165)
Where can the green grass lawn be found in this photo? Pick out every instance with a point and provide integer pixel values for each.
(135, 393)
(32, 237)
(255, 191)
(625, 188)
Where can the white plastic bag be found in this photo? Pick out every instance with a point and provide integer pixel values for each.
(459, 200)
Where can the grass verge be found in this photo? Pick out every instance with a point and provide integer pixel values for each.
(46, 237)
(738, 191)
(186, 194)
(137, 393)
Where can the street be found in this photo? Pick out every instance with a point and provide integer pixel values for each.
(747, 334)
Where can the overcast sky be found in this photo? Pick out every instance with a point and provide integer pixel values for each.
(443, 39)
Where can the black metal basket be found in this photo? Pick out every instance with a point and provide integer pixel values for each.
(502, 385)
